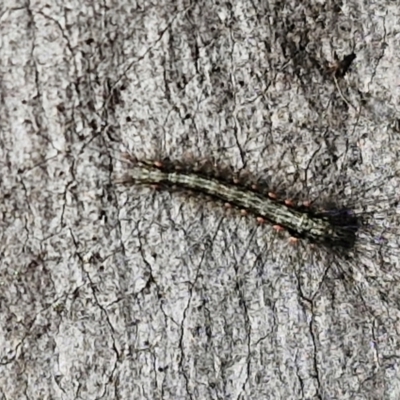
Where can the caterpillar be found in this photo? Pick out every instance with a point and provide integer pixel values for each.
(336, 228)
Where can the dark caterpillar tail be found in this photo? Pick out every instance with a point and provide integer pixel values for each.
(345, 224)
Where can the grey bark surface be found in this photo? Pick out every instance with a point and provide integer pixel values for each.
(113, 292)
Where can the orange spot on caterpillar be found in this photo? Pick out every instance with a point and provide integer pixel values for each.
(289, 203)
(307, 203)
(228, 205)
(260, 220)
(158, 164)
(254, 187)
(293, 240)
(244, 212)
(272, 195)
(278, 228)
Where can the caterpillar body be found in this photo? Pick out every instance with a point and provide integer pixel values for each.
(335, 228)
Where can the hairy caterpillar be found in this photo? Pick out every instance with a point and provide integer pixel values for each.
(332, 228)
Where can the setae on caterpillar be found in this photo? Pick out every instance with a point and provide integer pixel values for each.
(333, 228)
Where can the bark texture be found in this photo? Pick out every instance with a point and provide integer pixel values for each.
(112, 292)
